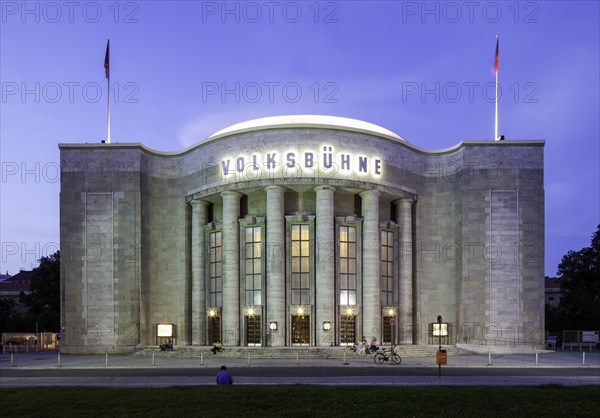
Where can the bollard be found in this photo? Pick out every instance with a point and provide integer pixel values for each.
(12, 360)
(202, 359)
(297, 359)
(584, 358)
(153, 360)
(248, 359)
(490, 358)
(345, 363)
(26, 348)
(58, 364)
(106, 360)
(536, 358)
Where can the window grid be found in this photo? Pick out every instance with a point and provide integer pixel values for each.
(347, 260)
(387, 268)
(300, 245)
(253, 265)
(215, 265)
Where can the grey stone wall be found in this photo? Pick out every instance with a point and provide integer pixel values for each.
(126, 225)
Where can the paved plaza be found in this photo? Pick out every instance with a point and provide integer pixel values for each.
(168, 369)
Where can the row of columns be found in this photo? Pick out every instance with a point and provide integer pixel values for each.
(325, 307)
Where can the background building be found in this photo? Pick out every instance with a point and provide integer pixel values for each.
(13, 286)
(552, 291)
(301, 230)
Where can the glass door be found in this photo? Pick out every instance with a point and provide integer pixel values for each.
(253, 330)
(301, 330)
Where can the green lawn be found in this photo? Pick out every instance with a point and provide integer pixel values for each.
(302, 401)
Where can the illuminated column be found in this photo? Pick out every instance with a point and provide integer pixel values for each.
(325, 265)
(275, 250)
(231, 269)
(405, 311)
(371, 288)
(199, 219)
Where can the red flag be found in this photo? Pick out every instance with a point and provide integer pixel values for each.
(106, 59)
(496, 58)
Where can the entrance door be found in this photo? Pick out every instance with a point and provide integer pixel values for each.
(348, 330)
(253, 330)
(301, 330)
(387, 330)
(214, 329)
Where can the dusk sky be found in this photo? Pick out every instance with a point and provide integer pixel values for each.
(181, 71)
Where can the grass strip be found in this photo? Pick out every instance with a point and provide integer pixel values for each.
(301, 401)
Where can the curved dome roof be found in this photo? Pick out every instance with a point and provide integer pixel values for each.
(308, 121)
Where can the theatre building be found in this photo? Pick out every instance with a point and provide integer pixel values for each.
(301, 231)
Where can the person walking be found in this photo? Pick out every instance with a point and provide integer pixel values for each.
(224, 377)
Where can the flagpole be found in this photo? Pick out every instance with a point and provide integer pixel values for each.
(496, 71)
(107, 68)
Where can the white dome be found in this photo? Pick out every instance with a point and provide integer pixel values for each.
(308, 121)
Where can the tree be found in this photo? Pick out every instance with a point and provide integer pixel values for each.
(44, 300)
(580, 286)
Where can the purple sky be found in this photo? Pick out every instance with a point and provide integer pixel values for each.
(183, 70)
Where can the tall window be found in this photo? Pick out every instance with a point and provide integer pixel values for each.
(300, 244)
(386, 269)
(347, 265)
(253, 265)
(215, 269)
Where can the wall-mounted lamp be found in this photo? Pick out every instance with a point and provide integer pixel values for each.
(300, 311)
(212, 313)
(326, 326)
(349, 311)
(273, 326)
(390, 312)
(250, 311)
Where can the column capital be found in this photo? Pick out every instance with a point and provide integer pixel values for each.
(231, 193)
(324, 188)
(374, 193)
(275, 188)
(199, 203)
(404, 200)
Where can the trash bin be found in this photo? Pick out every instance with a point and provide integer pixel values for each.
(441, 357)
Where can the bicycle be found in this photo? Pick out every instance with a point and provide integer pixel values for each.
(387, 355)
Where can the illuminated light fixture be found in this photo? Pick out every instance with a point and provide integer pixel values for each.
(164, 330)
(349, 311)
(273, 326)
(212, 313)
(440, 329)
(390, 312)
(250, 311)
(326, 326)
(300, 311)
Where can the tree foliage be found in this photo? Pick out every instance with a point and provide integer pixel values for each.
(44, 300)
(579, 273)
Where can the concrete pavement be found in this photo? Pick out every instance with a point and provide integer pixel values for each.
(20, 370)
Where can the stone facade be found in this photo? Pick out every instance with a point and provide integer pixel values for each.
(302, 232)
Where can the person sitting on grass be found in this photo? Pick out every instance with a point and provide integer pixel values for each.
(224, 377)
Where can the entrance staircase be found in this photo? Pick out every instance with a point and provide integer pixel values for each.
(294, 353)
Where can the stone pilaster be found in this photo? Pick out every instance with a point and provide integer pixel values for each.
(198, 321)
(371, 288)
(405, 297)
(275, 250)
(325, 265)
(231, 269)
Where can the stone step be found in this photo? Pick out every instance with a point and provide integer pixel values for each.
(405, 351)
